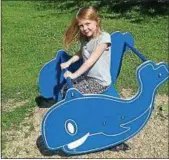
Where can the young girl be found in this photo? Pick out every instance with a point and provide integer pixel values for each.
(94, 74)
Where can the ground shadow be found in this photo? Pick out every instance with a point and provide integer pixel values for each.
(45, 152)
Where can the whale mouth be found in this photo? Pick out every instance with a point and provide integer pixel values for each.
(78, 142)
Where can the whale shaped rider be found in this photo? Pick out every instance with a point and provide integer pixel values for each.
(102, 120)
(94, 126)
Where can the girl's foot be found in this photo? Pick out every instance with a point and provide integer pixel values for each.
(44, 102)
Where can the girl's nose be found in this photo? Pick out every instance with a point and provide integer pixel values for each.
(85, 27)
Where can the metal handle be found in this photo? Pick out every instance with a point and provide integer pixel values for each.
(137, 52)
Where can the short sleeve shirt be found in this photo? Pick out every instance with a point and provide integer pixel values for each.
(101, 69)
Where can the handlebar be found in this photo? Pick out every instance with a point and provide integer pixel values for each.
(68, 80)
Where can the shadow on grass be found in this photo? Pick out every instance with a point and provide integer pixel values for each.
(115, 9)
(136, 12)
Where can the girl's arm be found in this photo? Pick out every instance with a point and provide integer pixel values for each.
(75, 58)
(87, 64)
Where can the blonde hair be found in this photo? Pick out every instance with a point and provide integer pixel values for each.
(72, 33)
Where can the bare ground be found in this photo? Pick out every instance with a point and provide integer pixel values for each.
(151, 142)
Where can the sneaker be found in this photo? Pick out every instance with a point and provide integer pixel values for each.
(43, 102)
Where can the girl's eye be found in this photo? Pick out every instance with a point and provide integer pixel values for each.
(80, 25)
(87, 23)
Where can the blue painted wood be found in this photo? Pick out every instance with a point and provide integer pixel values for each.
(86, 123)
(51, 78)
(136, 52)
(118, 48)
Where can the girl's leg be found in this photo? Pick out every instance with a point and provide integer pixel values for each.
(85, 85)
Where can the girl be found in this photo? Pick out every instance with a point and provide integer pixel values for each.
(94, 74)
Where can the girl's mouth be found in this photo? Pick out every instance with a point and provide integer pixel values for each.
(86, 32)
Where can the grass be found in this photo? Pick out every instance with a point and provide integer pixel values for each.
(31, 35)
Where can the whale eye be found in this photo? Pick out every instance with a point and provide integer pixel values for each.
(71, 127)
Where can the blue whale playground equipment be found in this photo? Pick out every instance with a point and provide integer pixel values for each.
(82, 123)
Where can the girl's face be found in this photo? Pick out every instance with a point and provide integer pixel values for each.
(88, 27)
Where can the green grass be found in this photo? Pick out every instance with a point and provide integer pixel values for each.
(31, 35)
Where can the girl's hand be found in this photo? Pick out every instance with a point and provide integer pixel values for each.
(69, 74)
(65, 65)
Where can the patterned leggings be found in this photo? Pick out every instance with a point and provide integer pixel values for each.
(86, 85)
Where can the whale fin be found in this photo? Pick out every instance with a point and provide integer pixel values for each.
(73, 93)
(116, 130)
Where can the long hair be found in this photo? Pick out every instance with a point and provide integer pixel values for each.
(72, 34)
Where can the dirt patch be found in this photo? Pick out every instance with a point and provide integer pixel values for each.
(126, 93)
(11, 105)
(151, 142)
